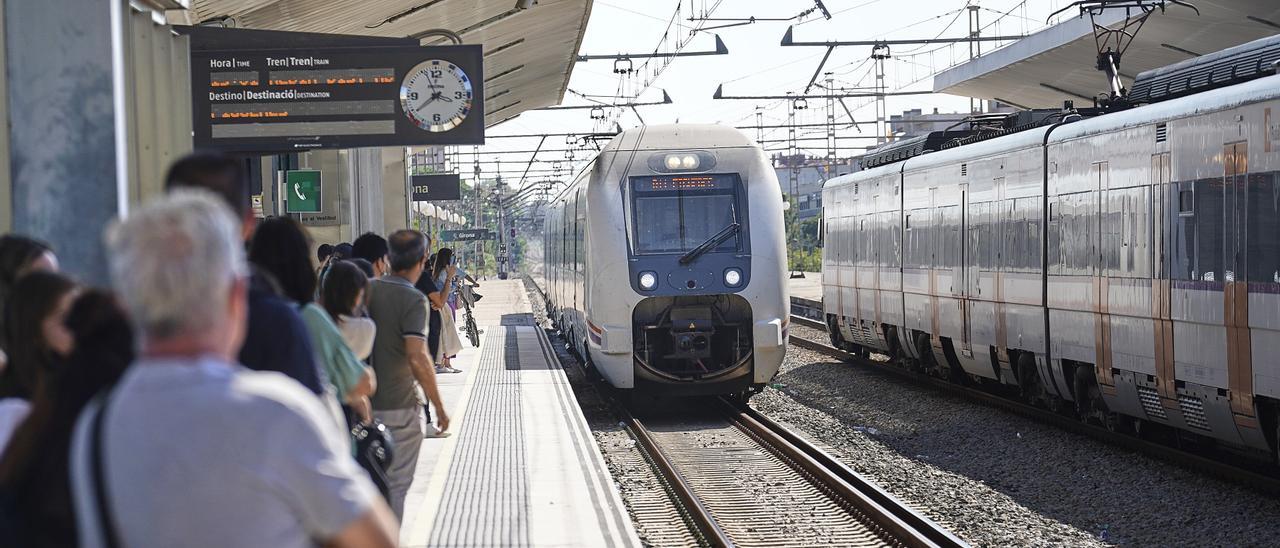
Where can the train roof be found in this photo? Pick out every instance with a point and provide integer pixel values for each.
(1248, 61)
(1237, 65)
(678, 136)
(1244, 93)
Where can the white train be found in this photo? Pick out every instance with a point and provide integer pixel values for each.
(665, 262)
(1126, 264)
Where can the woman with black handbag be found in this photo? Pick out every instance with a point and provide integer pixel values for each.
(342, 296)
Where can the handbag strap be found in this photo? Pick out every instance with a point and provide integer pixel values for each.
(110, 537)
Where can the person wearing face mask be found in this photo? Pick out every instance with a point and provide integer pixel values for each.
(37, 340)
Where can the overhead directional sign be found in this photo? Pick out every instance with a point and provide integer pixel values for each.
(302, 191)
(429, 188)
(468, 235)
(271, 91)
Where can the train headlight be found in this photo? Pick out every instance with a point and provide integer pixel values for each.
(681, 162)
(648, 280)
(676, 162)
(732, 277)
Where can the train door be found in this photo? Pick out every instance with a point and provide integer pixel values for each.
(1001, 218)
(962, 282)
(1099, 274)
(563, 262)
(936, 240)
(581, 279)
(1235, 288)
(574, 268)
(1163, 194)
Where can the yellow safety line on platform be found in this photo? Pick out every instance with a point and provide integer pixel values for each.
(420, 532)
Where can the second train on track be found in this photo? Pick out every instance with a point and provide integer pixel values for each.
(1124, 263)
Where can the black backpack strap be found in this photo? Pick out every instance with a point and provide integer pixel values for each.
(110, 537)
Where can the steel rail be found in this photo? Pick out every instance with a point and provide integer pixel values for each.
(896, 518)
(697, 512)
(1264, 483)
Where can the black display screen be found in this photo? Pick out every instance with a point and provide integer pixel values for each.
(277, 91)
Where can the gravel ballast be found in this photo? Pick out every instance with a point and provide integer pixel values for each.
(998, 479)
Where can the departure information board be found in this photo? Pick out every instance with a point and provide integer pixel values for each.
(275, 92)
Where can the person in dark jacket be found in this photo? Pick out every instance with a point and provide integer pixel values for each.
(277, 338)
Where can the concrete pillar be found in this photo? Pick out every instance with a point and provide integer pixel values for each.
(66, 124)
(395, 190)
(364, 184)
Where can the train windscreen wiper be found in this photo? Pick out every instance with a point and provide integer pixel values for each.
(711, 243)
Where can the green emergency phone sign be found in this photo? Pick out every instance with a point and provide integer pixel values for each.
(302, 191)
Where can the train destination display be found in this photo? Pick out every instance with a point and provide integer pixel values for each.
(280, 99)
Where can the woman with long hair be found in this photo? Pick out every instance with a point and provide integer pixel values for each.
(280, 246)
(34, 470)
(37, 341)
(444, 273)
(343, 299)
(18, 256)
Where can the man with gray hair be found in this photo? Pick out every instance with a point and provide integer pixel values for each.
(190, 448)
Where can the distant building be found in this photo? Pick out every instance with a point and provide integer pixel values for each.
(915, 122)
(810, 173)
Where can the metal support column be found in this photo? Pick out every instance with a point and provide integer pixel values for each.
(975, 49)
(477, 249)
(831, 126)
(878, 54)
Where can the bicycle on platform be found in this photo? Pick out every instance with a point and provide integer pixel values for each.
(469, 298)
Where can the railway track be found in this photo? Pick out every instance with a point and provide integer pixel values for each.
(744, 480)
(711, 461)
(1243, 473)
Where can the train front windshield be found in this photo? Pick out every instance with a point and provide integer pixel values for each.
(676, 213)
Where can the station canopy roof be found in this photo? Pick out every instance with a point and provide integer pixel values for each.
(1059, 63)
(529, 48)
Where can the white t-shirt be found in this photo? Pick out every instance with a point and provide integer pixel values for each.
(198, 452)
(358, 333)
(12, 412)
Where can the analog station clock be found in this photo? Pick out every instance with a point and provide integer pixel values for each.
(436, 95)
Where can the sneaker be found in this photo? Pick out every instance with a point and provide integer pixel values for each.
(453, 369)
(442, 369)
(434, 433)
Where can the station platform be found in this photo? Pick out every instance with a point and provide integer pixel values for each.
(809, 287)
(806, 295)
(521, 467)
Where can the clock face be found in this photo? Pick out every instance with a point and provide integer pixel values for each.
(436, 95)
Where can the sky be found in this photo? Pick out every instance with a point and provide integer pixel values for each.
(755, 65)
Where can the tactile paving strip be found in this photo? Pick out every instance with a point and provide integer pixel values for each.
(486, 494)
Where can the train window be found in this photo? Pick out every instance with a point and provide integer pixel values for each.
(1262, 225)
(1209, 229)
(1112, 229)
(677, 214)
(1186, 203)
